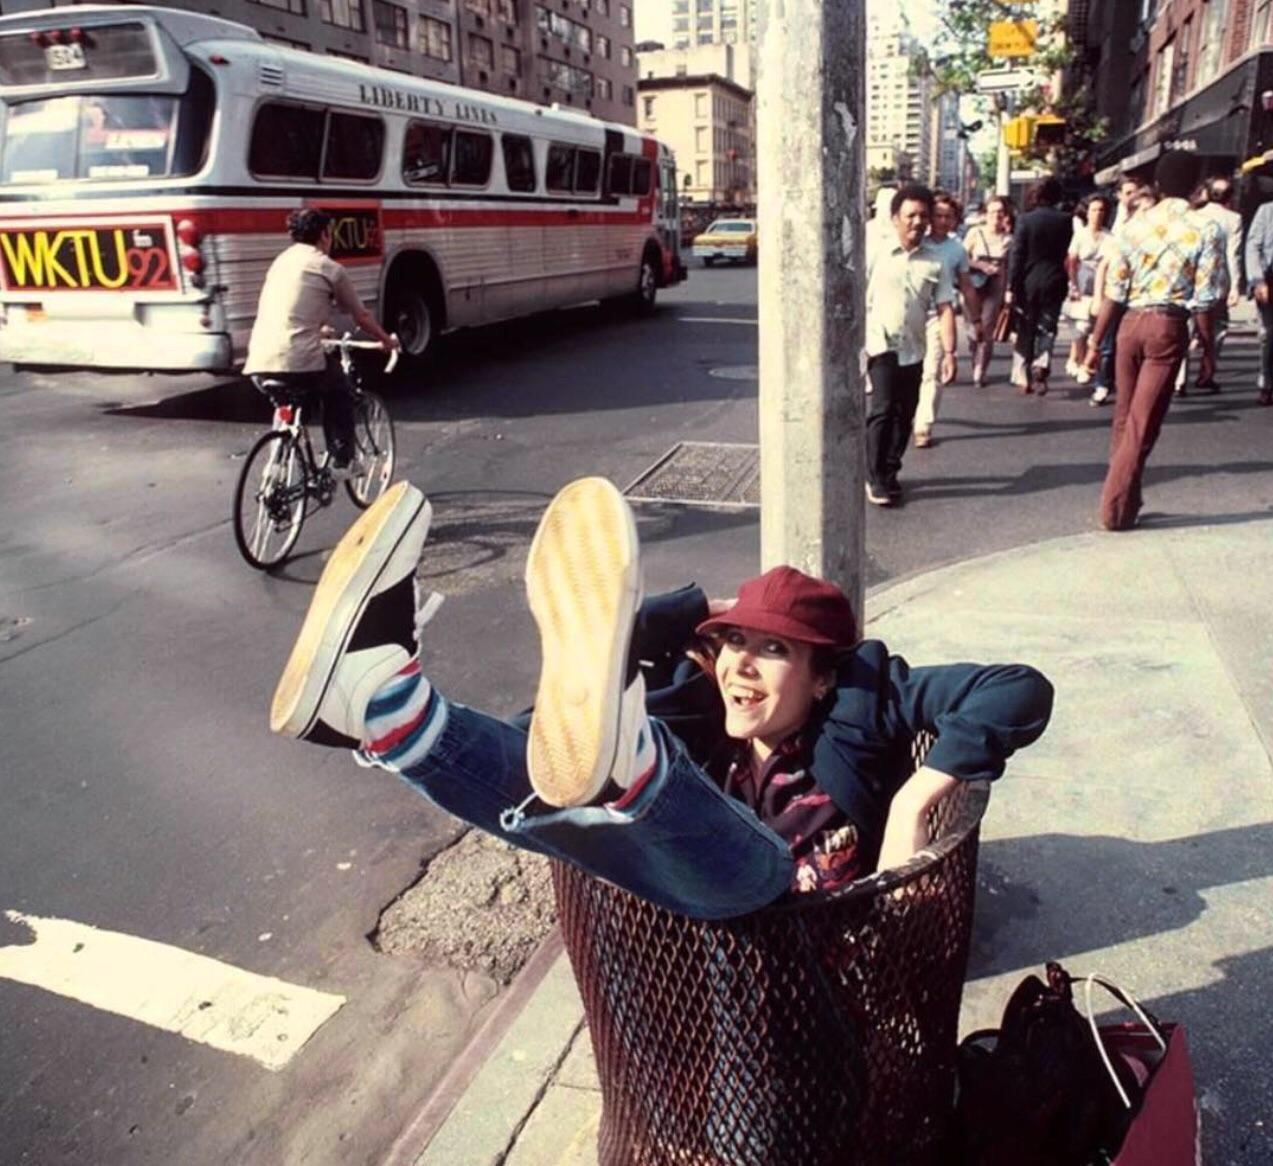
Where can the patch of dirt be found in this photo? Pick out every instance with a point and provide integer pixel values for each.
(481, 905)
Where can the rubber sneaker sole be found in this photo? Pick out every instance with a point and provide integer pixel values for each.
(347, 584)
(583, 582)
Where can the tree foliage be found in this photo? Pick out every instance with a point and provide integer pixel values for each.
(960, 53)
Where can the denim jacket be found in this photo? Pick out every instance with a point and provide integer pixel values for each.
(979, 714)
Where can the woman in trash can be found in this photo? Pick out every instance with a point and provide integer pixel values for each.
(710, 756)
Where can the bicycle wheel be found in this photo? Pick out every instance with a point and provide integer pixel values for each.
(373, 460)
(269, 500)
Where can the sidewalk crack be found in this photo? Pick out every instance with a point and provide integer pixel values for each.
(549, 1079)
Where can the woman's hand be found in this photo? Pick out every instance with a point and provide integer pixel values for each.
(906, 831)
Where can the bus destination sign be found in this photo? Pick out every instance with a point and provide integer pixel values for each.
(87, 258)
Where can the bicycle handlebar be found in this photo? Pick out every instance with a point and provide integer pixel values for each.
(346, 342)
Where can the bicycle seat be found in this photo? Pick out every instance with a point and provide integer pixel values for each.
(280, 390)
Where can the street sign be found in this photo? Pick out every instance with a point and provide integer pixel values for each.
(1011, 38)
(1004, 80)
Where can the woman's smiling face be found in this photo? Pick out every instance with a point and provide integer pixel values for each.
(768, 684)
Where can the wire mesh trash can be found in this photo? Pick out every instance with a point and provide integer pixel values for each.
(820, 1031)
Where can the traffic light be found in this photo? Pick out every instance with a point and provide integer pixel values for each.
(1049, 131)
(1017, 132)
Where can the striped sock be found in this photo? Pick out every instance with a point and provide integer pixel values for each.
(404, 719)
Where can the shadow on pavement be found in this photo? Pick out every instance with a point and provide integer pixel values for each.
(1102, 890)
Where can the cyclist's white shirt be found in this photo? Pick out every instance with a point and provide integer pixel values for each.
(296, 300)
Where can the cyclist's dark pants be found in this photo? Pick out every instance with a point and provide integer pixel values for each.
(338, 404)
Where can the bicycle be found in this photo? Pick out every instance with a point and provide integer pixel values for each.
(282, 473)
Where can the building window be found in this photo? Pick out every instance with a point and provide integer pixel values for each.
(700, 139)
(343, 14)
(296, 7)
(506, 10)
(605, 88)
(435, 38)
(625, 15)
(1211, 46)
(603, 7)
(629, 95)
(679, 6)
(1162, 78)
(391, 23)
(700, 104)
(649, 107)
(1261, 23)
(512, 59)
(481, 51)
(603, 46)
(481, 7)
(625, 57)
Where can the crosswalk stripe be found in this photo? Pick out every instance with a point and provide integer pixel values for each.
(200, 998)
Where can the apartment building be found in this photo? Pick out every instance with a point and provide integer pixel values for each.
(685, 24)
(1201, 79)
(696, 101)
(577, 53)
(899, 105)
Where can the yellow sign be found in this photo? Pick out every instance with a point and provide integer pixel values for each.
(1011, 38)
(1017, 132)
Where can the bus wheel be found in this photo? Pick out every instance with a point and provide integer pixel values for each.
(647, 286)
(411, 317)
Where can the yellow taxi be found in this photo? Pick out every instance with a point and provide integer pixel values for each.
(731, 239)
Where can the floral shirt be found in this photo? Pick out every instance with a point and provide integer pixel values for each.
(785, 796)
(1168, 254)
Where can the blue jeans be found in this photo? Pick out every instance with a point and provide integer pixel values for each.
(683, 843)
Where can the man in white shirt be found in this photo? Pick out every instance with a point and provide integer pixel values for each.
(906, 280)
(1219, 209)
(947, 214)
(300, 288)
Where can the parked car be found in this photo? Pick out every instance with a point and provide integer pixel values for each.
(732, 239)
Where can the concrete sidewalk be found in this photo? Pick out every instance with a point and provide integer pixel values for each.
(1136, 838)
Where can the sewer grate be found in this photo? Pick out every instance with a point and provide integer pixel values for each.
(702, 473)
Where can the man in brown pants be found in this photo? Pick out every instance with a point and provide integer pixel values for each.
(1170, 264)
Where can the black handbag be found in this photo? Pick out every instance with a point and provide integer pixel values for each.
(1036, 1089)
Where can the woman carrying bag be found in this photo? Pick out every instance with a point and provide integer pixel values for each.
(987, 246)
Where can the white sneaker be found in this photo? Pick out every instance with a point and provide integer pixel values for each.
(361, 625)
(1071, 369)
(1082, 376)
(583, 581)
(1099, 396)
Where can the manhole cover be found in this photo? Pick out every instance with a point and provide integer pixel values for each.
(736, 372)
(702, 473)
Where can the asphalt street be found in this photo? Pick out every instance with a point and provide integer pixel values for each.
(144, 797)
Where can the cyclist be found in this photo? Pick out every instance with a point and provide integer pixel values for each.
(287, 337)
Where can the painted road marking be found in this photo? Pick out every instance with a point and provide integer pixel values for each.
(715, 320)
(195, 996)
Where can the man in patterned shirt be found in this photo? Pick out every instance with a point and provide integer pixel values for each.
(1170, 264)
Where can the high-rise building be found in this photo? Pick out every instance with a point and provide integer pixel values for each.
(578, 55)
(685, 24)
(950, 146)
(899, 107)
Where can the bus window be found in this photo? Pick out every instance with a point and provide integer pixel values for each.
(426, 153)
(287, 141)
(471, 165)
(519, 162)
(355, 144)
(560, 172)
(108, 136)
(642, 176)
(587, 172)
(619, 180)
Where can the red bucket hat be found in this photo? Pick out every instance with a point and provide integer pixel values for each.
(790, 603)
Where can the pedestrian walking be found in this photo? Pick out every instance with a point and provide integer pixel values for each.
(1087, 246)
(1169, 267)
(1215, 202)
(906, 280)
(1259, 271)
(1037, 284)
(947, 214)
(987, 246)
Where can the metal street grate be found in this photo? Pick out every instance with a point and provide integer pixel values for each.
(702, 473)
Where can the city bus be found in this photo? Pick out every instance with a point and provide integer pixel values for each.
(150, 157)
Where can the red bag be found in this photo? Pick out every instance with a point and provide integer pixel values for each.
(1164, 1130)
